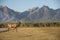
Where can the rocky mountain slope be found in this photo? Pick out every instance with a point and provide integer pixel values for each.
(36, 14)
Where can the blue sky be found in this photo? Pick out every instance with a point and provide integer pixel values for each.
(22, 5)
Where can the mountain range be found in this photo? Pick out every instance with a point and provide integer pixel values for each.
(36, 14)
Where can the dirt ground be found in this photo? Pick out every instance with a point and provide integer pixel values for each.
(42, 33)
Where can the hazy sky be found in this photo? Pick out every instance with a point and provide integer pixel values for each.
(22, 5)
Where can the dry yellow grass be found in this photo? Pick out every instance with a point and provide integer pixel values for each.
(43, 33)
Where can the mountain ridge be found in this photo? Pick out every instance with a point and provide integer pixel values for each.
(36, 14)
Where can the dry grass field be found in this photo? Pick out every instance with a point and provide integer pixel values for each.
(42, 33)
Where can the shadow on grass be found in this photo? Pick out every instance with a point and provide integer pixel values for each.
(3, 31)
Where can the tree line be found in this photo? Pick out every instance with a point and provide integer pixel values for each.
(52, 24)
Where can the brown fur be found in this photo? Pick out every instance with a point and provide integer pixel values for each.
(13, 26)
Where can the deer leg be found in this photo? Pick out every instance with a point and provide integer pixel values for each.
(16, 29)
(9, 29)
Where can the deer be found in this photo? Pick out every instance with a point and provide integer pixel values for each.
(13, 26)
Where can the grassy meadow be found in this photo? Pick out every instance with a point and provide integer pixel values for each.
(31, 33)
